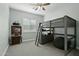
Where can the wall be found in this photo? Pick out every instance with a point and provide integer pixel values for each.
(58, 10)
(4, 28)
(18, 14)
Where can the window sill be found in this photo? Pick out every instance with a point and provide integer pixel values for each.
(29, 31)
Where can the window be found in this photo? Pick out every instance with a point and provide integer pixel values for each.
(29, 25)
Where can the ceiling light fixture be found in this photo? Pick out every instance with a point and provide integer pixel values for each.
(41, 6)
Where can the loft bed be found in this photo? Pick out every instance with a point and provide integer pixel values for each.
(60, 22)
(63, 22)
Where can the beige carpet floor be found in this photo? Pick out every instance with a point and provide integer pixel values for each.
(30, 49)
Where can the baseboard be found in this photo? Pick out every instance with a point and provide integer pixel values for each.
(27, 40)
(5, 51)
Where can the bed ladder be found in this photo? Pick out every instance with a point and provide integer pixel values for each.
(38, 36)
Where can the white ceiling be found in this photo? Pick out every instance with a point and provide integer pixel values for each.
(27, 7)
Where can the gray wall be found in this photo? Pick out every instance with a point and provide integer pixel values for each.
(58, 10)
(18, 14)
(4, 28)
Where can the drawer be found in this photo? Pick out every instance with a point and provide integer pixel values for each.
(15, 40)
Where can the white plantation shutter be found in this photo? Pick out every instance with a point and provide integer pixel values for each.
(29, 25)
